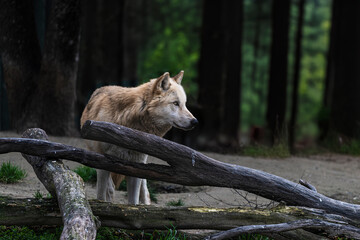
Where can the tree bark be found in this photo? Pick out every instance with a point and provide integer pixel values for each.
(20, 53)
(45, 211)
(344, 60)
(40, 88)
(276, 103)
(296, 77)
(55, 105)
(210, 73)
(186, 166)
(68, 187)
(233, 18)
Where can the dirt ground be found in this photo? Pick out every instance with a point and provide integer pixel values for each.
(333, 175)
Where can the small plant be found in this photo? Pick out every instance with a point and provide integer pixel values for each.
(10, 173)
(170, 234)
(88, 174)
(38, 195)
(177, 203)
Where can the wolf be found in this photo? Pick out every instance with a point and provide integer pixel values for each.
(153, 107)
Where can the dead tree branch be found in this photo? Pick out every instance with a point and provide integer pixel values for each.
(68, 187)
(333, 229)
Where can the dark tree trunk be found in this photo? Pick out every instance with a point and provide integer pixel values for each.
(101, 48)
(254, 112)
(20, 53)
(131, 38)
(233, 18)
(296, 77)
(41, 89)
(210, 73)
(324, 115)
(276, 104)
(56, 84)
(345, 62)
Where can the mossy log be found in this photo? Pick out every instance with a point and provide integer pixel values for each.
(69, 190)
(46, 212)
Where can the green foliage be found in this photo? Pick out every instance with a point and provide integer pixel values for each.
(88, 174)
(172, 42)
(177, 203)
(280, 150)
(10, 173)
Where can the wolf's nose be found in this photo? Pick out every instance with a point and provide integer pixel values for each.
(194, 122)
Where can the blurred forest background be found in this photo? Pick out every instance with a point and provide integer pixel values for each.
(256, 71)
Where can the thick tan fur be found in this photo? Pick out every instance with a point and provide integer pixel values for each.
(152, 107)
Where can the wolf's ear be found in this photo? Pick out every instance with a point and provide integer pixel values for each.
(162, 83)
(179, 77)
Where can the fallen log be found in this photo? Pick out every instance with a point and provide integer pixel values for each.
(46, 212)
(64, 184)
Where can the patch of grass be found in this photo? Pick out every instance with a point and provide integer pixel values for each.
(170, 234)
(88, 174)
(177, 203)
(280, 150)
(10, 173)
(342, 145)
(38, 195)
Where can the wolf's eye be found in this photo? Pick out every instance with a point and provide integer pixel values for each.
(176, 103)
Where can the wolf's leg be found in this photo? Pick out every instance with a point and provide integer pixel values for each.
(104, 186)
(144, 193)
(133, 189)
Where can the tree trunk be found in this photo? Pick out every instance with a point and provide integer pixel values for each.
(20, 53)
(233, 18)
(131, 39)
(41, 89)
(296, 77)
(345, 61)
(210, 73)
(68, 187)
(276, 104)
(55, 104)
(45, 211)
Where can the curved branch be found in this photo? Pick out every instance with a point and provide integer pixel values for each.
(334, 229)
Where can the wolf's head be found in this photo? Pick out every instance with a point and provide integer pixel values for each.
(168, 102)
